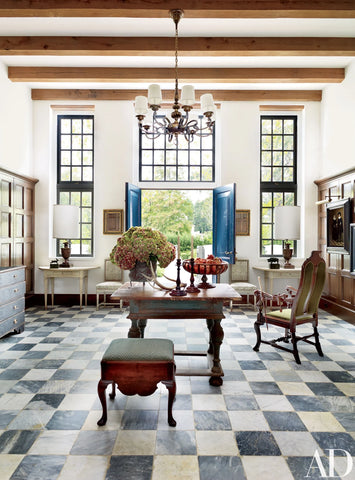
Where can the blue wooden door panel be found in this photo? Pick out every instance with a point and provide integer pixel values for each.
(133, 206)
(224, 222)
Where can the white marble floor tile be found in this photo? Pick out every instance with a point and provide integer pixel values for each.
(172, 467)
(266, 468)
(297, 444)
(135, 442)
(216, 443)
(88, 467)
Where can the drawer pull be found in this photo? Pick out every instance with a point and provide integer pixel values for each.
(15, 321)
(16, 290)
(15, 307)
(14, 275)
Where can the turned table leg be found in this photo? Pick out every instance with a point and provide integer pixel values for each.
(217, 335)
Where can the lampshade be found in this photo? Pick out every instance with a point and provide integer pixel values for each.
(66, 221)
(287, 223)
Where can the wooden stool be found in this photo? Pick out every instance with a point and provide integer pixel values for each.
(137, 365)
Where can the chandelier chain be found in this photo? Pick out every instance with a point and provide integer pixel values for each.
(176, 20)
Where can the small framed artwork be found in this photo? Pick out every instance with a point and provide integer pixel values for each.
(242, 222)
(338, 226)
(352, 248)
(113, 222)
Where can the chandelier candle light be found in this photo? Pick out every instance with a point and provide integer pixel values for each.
(179, 124)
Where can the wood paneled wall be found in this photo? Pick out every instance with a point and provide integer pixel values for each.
(340, 284)
(17, 236)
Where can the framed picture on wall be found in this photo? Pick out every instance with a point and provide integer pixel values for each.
(338, 226)
(242, 222)
(113, 222)
(352, 248)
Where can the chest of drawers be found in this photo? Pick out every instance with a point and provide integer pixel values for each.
(12, 299)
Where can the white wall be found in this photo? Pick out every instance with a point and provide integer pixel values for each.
(338, 126)
(240, 164)
(114, 127)
(15, 125)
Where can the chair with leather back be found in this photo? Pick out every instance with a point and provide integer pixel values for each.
(300, 309)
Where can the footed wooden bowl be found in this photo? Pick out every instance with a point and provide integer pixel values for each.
(207, 268)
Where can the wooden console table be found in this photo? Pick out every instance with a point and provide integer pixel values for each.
(270, 274)
(148, 303)
(73, 272)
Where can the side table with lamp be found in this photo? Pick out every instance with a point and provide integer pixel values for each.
(66, 223)
(287, 227)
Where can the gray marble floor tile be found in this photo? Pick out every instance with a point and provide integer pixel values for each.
(175, 443)
(94, 443)
(36, 467)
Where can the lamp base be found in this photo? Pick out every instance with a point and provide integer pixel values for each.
(287, 254)
(65, 254)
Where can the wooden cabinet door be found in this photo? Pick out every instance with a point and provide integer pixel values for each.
(6, 221)
(17, 223)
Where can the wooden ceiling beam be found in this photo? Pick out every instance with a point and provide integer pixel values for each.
(196, 75)
(168, 95)
(192, 8)
(188, 46)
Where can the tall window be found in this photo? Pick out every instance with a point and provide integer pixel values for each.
(75, 175)
(161, 161)
(278, 175)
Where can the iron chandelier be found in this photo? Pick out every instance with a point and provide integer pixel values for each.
(179, 124)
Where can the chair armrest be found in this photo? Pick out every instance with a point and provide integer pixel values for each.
(291, 289)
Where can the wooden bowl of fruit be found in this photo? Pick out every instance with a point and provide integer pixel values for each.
(206, 266)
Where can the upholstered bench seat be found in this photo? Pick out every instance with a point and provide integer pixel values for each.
(140, 349)
(136, 366)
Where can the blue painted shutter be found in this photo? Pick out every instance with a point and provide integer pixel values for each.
(224, 222)
(133, 206)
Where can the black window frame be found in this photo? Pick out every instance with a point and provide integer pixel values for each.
(83, 186)
(277, 187)
(189, 166)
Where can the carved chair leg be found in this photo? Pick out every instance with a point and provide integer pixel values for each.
(258, 335)
(295, 350)
(101, 391)
(171, 386)
(318, 347)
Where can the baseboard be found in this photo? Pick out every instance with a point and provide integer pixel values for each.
(68, 300)
(339, 310)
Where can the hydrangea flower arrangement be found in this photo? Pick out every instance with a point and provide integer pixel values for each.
(140, 244)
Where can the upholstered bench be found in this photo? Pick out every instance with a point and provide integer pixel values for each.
(239, 279)
(112, 281)
(136, 366)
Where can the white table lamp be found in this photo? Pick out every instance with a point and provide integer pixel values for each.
(287, 227)
(66, 224)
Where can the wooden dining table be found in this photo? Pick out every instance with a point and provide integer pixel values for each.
(148, 303)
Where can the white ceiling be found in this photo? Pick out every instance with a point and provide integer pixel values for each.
(289, 27)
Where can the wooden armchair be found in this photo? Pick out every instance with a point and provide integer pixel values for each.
(299, 309)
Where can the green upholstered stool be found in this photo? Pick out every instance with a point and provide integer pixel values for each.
(136, 366)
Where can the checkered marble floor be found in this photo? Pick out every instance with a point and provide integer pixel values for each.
(267, 420)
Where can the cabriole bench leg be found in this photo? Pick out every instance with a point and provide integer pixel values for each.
(101, 387)
(171, 386)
